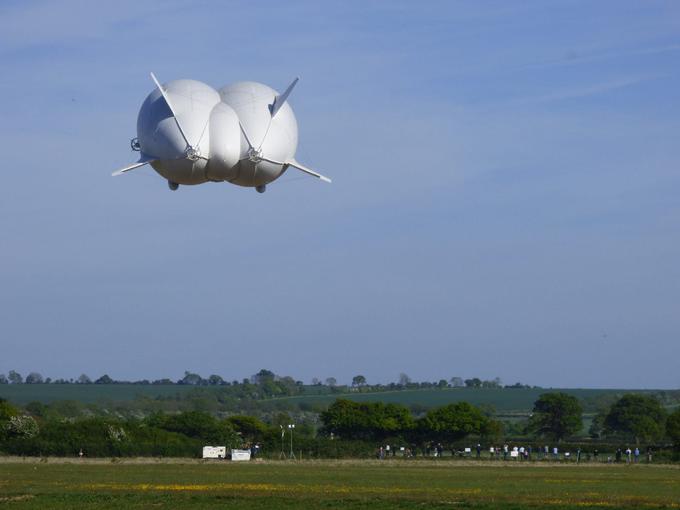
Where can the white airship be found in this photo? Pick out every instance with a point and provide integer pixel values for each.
(244, 133)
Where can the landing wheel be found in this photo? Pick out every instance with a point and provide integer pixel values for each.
(261, 189)
(173, 185)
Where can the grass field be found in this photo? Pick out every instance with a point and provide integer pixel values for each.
(504, 400)
(333, 484)
(86, 393)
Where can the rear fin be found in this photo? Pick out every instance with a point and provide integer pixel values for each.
(295, 164)
(281, 98)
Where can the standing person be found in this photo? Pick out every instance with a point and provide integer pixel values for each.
(649, 455)
(636, 453)
(479, 450)
(556, 453)
(628, 452)
(546, 450)
(505, 452)
(595, 454)
(578, 455)
(618, 455)
(492, 452)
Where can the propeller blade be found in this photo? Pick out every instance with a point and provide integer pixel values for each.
(172, 110)
(245, 135)
(255, 155)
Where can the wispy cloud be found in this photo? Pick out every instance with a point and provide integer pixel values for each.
(577, 58)
(590, 90)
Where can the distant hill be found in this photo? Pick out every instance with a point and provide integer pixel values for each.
(87, 393)
(503, 400)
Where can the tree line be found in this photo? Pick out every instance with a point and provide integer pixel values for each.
(359, 382)
(555, 416)
(345, 428)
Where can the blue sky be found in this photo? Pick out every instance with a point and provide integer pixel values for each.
(504, 198)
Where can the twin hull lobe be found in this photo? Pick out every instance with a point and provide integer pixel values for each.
(210, 121)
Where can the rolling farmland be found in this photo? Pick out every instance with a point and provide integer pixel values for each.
(503, 400)
(87, 393)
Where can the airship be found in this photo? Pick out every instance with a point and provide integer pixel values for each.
(244, 134)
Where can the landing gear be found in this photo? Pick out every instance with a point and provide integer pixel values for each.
(261, 189)
(173, 185)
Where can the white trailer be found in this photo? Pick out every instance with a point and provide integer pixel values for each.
(237, 455)
(214, 452)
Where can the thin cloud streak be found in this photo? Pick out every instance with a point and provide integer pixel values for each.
(588, 91)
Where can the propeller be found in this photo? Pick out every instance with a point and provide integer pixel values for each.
(191, 152)
(255, 155)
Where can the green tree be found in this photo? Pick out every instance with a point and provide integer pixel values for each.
(366, 420)
(475, 382)
(452, 423)
(34, 378)
(639, 416)
(492, 430)
(21, 427)
(84, 379)
(404, 380)
(215, 380)
(556, 415)
(190, 379)
(15, 377)
(263, 376)
(7, 411)
(597, 425)
(358, 380)
(457, 382)
(250, 428)
(673, 428)
(105, 379)
(194, 424)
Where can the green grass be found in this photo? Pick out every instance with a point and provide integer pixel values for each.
(503, 400)
(334, 484)
(86, 393)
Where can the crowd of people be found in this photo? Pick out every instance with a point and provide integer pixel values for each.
(519, 453)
